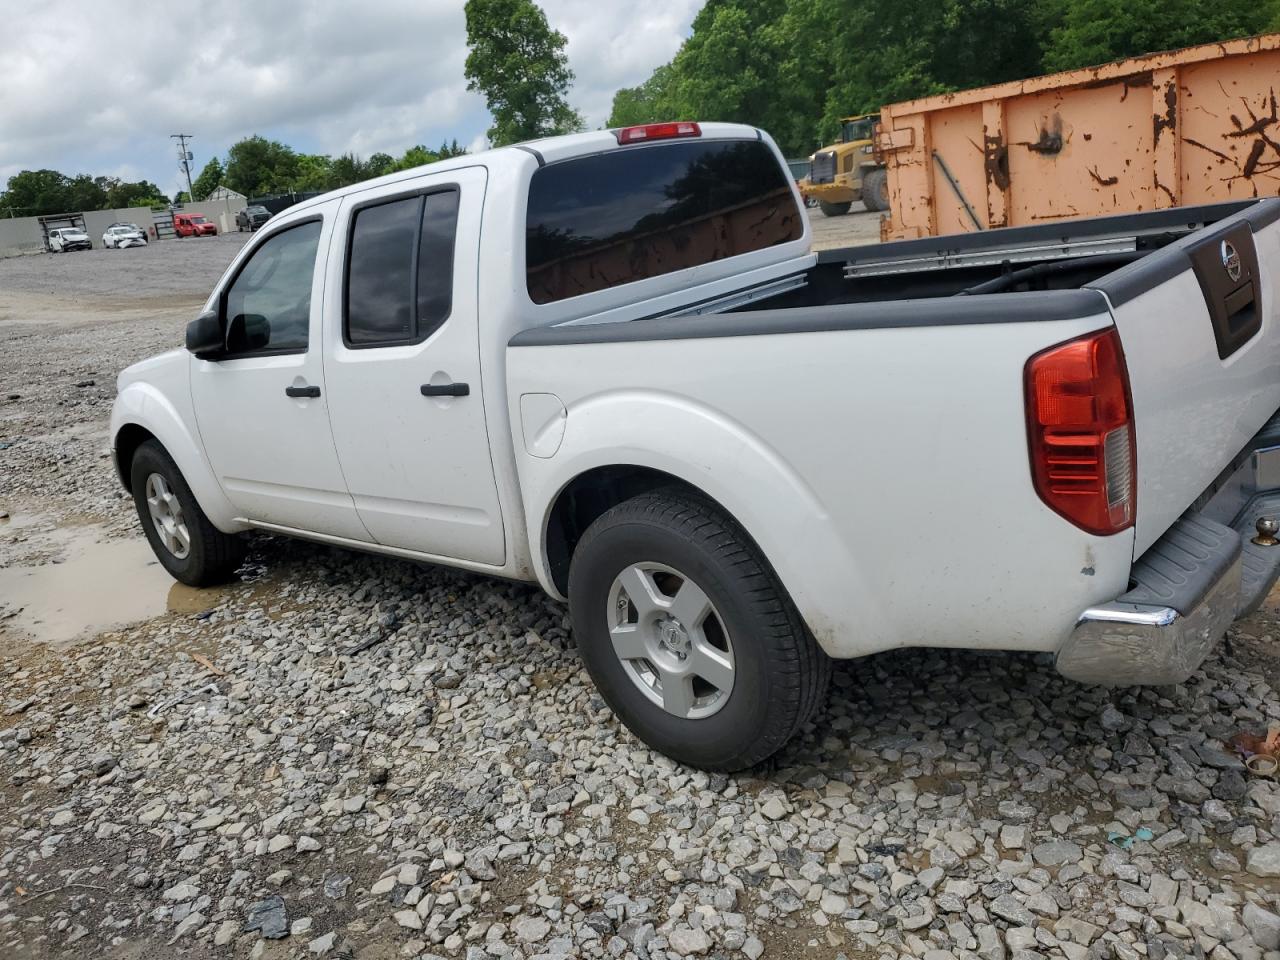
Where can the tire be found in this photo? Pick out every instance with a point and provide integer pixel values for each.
(875, 190)
(211, 556)
(777, 675)
(835, 209)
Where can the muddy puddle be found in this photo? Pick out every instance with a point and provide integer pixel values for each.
(98, 585)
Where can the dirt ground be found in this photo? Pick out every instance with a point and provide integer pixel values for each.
(855, 228)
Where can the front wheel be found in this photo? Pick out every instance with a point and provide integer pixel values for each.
(835, 209)
(688, 634)
(875, 190)
(192, 549)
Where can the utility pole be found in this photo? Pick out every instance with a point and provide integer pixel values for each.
(185, 156)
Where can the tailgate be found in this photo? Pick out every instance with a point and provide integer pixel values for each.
(1200, 324)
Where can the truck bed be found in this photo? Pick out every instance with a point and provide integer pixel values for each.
(1066, 255)
(887, 397)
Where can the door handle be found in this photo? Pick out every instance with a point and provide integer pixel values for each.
(302, 392)
(446, 390)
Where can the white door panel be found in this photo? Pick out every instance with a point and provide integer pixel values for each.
(417, 464)
(272, 450)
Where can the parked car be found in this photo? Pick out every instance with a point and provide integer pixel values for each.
(193, 225)
(65, 239)
(614, 366)
(251, 218)
(122, 235)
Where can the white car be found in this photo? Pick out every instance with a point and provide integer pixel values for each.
(124, 235)
(66, 239)
(612, 365)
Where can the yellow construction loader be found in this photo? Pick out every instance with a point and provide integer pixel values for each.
(847, 171)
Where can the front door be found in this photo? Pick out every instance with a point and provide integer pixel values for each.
(402, 367)
(263, 411)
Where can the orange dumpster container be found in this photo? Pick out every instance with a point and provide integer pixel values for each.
(1189, 126)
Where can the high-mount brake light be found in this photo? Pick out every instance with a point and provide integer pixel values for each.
(1080, 431)
(658, 131)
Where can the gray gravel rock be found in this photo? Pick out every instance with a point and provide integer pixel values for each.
(1006, 907)
(269, 918)
(1057, 853)
(458, 789)
(1264, 861)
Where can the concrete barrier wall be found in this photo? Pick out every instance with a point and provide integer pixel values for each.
(19, 235)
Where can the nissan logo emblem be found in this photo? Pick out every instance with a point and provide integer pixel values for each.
(1231, 260)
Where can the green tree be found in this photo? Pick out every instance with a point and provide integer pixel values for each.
(256, 165)
(347, 169)
(33, 193)
(518, 63)
(416, 156)
(314, 172)
(450, 149)
(87, 193)
(210, 178)
(1097, 31)
(651, 102)
(379, 165)
(143, 193)
(181, 197)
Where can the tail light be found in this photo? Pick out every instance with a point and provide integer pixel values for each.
(1080, 427)
(658, 131)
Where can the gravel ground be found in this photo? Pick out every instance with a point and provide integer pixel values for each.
(382, 760)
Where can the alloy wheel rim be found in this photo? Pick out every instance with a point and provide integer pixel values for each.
(672, 642)
(167, 518)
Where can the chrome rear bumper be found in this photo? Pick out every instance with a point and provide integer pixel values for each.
(1189, 586)
(1124, 644)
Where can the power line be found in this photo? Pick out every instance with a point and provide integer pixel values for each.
(185, 156)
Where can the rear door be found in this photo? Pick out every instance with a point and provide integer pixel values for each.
(1200, 325)
(402, 366)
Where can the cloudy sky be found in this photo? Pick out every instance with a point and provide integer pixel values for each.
(98, 87)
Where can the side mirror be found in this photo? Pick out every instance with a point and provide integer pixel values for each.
(205, 336)
(247, 332)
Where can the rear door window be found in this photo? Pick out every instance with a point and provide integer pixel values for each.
(400, 270)
(639, 212)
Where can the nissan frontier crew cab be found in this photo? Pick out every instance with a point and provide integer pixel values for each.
(610, 363)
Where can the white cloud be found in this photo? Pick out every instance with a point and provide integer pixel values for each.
(98, 88)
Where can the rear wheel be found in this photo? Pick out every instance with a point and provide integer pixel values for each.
(191, 548)
(688, 634)
(835, 209)
(875, 190)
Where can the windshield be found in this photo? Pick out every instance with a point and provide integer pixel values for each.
(256, 210)
(199, 220)
(859, 129)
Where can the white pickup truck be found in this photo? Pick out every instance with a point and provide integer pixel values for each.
(610, 363)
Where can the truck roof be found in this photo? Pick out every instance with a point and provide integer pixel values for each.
(545, 150)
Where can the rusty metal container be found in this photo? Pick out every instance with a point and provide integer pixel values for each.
(1189, 126)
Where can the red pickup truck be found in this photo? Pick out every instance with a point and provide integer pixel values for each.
(193, 225)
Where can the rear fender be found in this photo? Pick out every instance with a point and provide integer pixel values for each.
(728, 463)
(141, 404)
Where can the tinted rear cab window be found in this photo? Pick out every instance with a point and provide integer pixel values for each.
(400, 269)
(639, 212)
